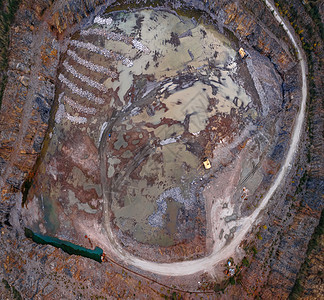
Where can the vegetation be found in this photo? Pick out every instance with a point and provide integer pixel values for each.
(15, 292)
(298, 289)
(311, 46)
(232, 280)
(313, 11)
(176, 296)
(254, 250)
(302, 182)
(6, 284)
(317, 235)
(8, 9)
(245, 262)
(220, 287)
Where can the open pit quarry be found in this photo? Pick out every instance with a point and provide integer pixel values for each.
(161, 150)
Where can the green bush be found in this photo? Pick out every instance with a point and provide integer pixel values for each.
(245, 262)
(232, 280)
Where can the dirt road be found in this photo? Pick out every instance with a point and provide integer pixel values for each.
(208, 262)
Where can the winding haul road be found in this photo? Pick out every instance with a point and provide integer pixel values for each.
(208, 262)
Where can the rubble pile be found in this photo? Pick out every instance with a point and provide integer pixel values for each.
(139, 46)
(91, 66)
(106, 53)
(79, 107)
(84, 78)
(116, 37)
(102, 21)
(82, 93)
(75, 119)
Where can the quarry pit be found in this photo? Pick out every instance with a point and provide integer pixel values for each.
(129, 141)
(143, 96)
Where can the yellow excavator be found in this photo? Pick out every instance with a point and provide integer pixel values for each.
(242, 53)
(208, 153)
(206, 163)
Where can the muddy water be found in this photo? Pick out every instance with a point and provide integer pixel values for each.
(193, 45)
(189, 67)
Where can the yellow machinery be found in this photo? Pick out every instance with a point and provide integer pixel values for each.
(206, 163)
(242, 52)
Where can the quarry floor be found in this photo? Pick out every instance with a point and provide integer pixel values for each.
(102, 156)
